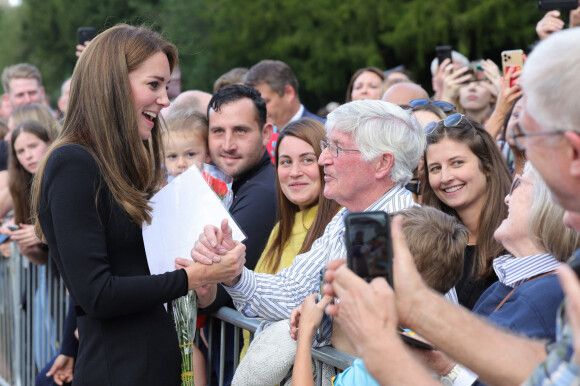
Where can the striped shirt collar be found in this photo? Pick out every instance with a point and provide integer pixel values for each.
(512, 270)
(395, 199)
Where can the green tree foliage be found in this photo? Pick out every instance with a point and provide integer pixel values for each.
(324, 41)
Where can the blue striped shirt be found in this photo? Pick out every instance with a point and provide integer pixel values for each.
(273, 297)
(561, 365)
(512, 270)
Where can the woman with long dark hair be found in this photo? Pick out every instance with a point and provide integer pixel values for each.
(467, 177)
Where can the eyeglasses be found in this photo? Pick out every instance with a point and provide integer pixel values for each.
(445, 106)
(518, 132)
(517, 181)
(450, 121)
(334, 149)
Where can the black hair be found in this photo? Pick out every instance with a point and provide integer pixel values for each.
(236, 92)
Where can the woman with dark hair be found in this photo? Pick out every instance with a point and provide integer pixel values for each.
(293, 199)
(365, 84)
(91, 196)
(466, 176)
(29, 142)
(304, 212)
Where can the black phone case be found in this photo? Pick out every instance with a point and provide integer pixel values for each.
(85, 34)
(443, 52)
(350, 260)
(562, 5)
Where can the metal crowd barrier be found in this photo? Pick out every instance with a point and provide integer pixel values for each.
(329, 355)
(33, 305)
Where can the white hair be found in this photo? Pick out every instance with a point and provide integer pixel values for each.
(551, 83)
(456, 57)
(379, 127)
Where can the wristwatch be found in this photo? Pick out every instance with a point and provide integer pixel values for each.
(450, 378)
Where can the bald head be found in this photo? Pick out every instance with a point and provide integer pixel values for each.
(402, 93)
(192, 100)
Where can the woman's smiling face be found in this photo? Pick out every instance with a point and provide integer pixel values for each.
(455, 175)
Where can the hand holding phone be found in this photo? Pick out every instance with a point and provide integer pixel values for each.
(368, 245)
(512, 58)
(13, 227)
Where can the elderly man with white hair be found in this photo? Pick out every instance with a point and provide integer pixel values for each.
(371, 150)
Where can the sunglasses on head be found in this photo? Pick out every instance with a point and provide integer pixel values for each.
(445, 106)
(450, 121)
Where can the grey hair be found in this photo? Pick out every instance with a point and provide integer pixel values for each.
(550, 81)
(546, 228)
(379, 127)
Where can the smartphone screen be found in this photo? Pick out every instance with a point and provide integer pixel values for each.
(368, 245)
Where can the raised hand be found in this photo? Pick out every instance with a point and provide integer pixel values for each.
(550, 23)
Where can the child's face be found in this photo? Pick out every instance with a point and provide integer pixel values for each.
(183, 151)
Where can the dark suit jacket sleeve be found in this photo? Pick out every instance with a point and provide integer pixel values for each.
(73, 226)
(308, 114)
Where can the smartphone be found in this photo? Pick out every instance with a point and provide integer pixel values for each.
(562, 5)
(443, 52)
(574, 263)
(321, 283)
(512, 58)
(476, 71)
(85, 34)
(414, 340)
(13, 227)
(369, 251)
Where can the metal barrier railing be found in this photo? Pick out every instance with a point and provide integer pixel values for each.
(329, 355)
(33, 304)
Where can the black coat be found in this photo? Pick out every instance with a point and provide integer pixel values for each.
(126, 336)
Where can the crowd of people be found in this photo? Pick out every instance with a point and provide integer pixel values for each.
(481, 179)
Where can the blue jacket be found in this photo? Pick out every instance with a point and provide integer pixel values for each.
(530, 310)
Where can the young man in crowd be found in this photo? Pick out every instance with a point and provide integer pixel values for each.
(237, 139)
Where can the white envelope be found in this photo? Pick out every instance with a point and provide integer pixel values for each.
(180, 212)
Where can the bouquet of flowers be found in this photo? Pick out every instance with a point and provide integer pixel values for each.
(220, 183)
(185, 308)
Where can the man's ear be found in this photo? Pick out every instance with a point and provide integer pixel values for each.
(60, 104)
(289, 93)
(267, 131)
(574, 139)
(384, 165)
